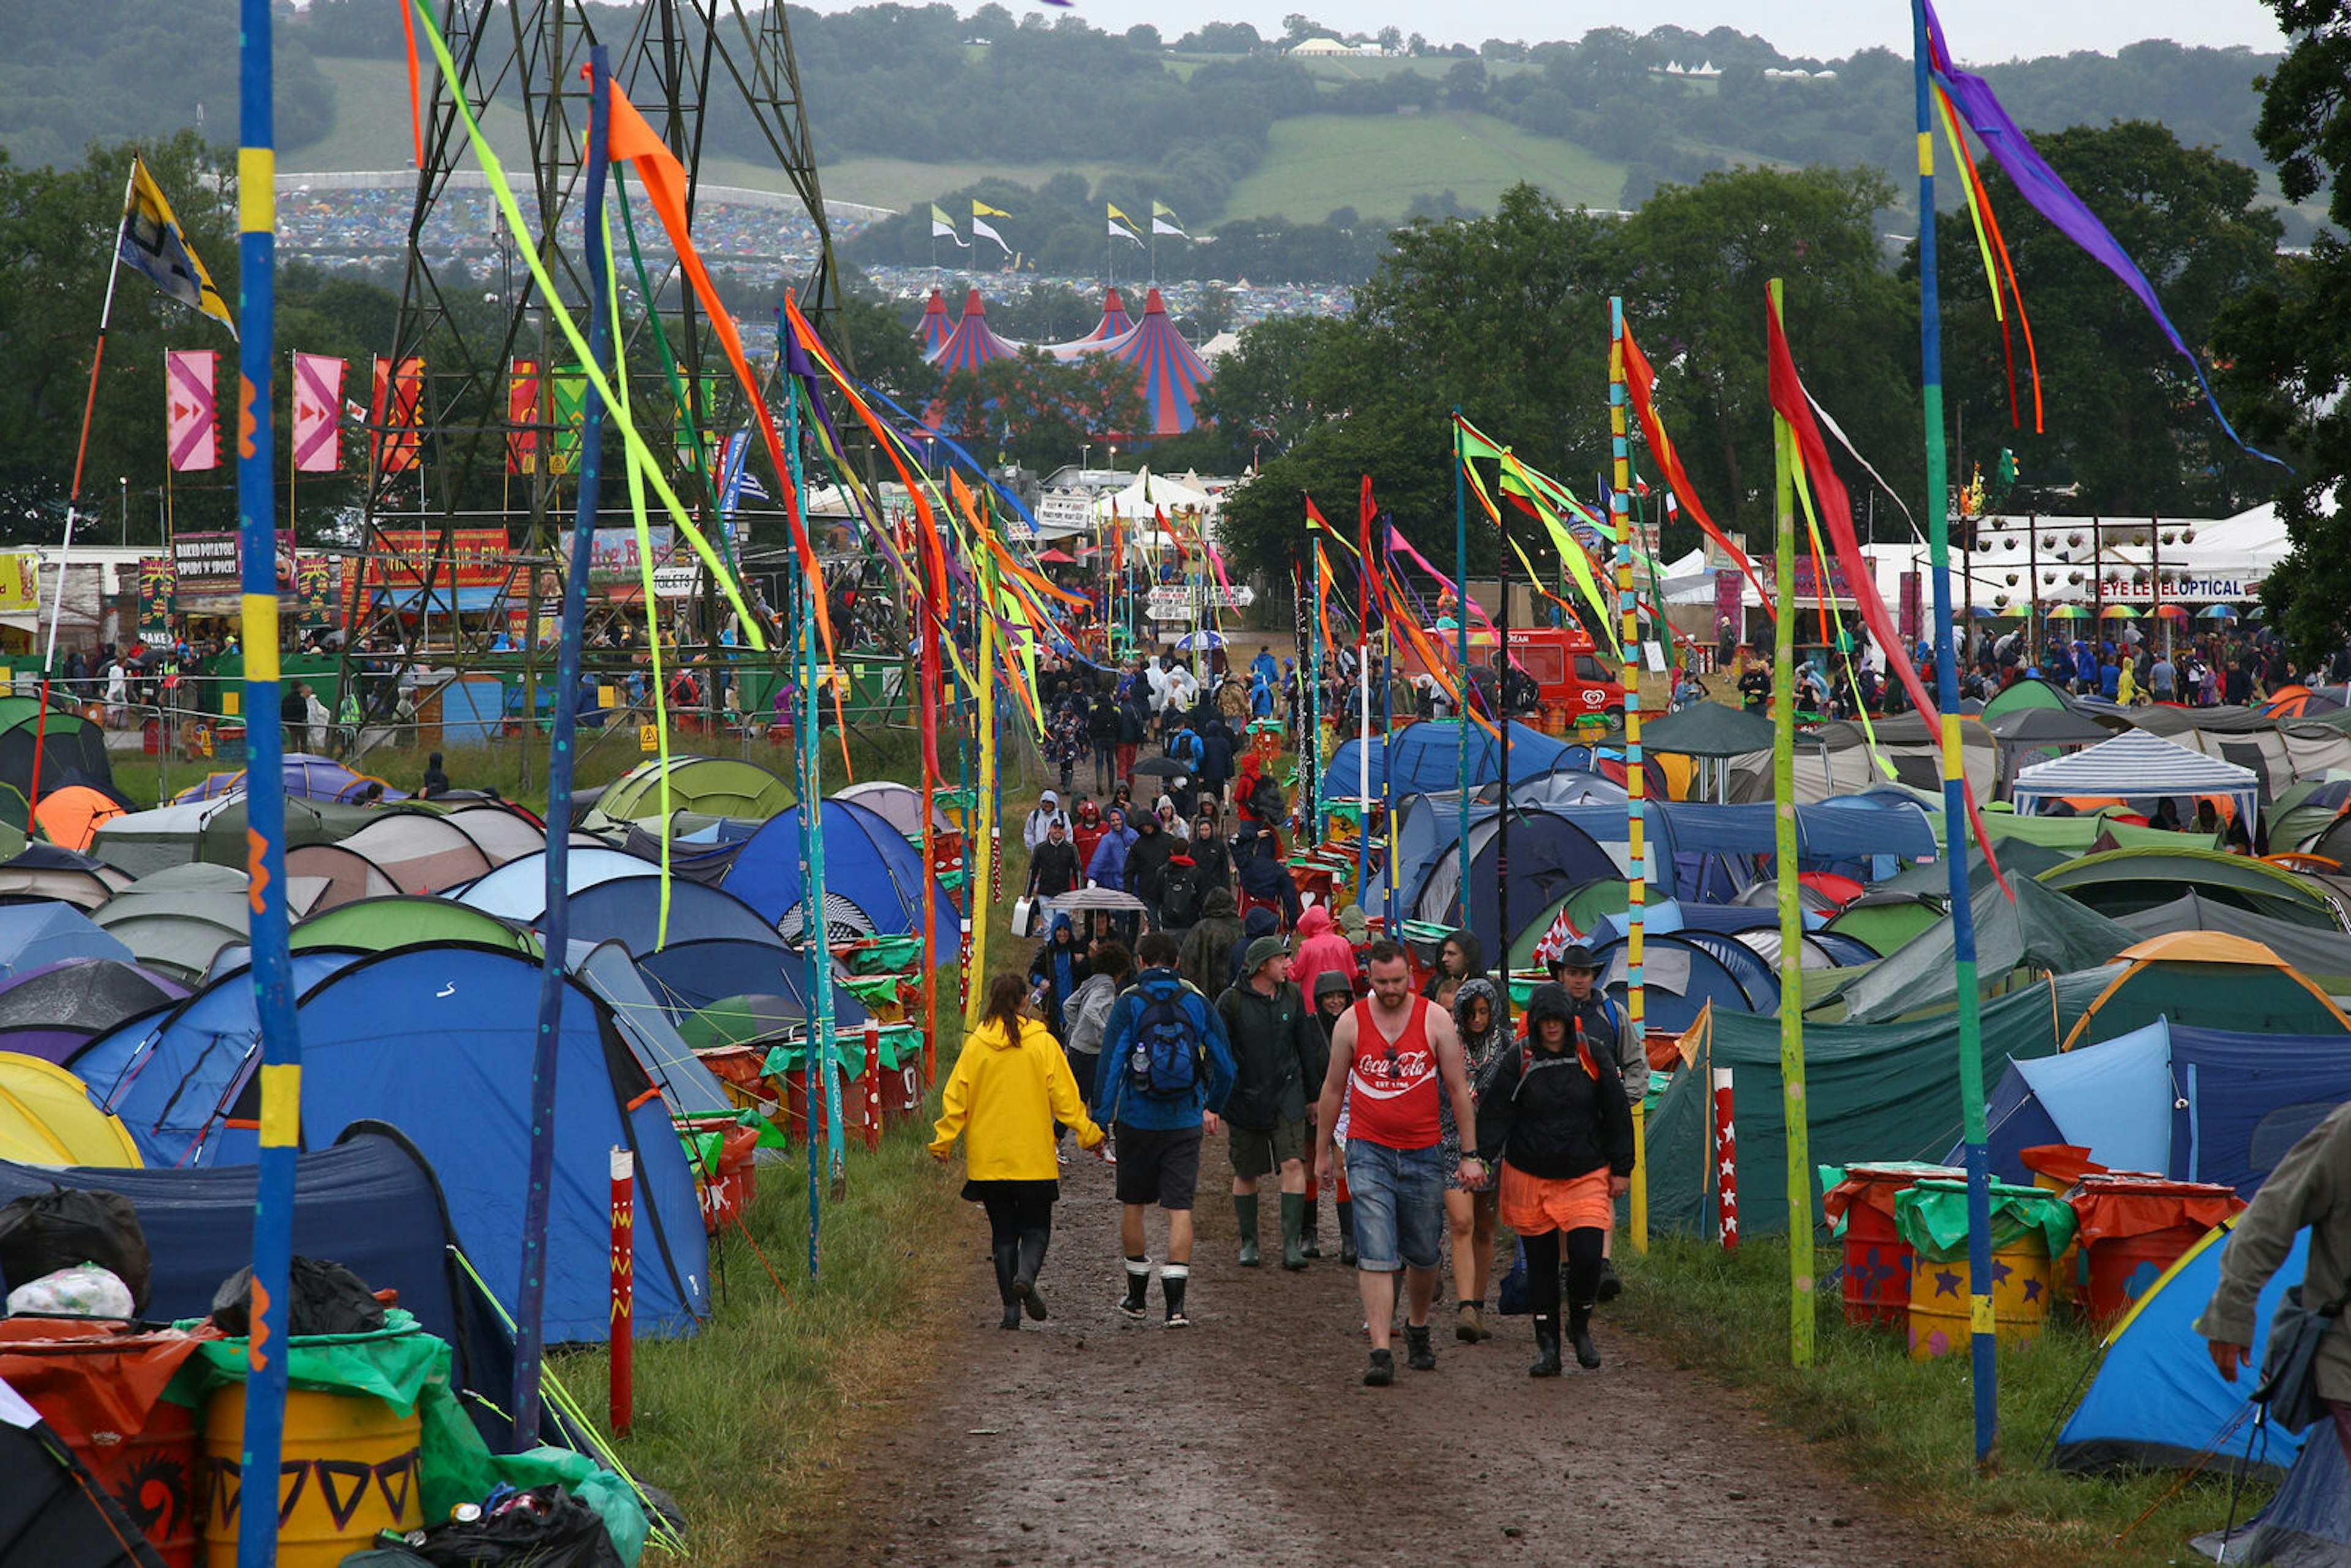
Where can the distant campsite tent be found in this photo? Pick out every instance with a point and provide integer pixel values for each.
(691, 978)
(2038, 930)
(971, 344)
(901, 803)
(714, 786)
(370, 1201)
(1171, 373)
(422, 852)
(872, 878)
(2030, 693)
(2138, 766)
(70, 816)
(307, 778)
(407, 920)
(2157, 1401)
(348, 874)
(439, 1041)
(33, 934)
(1874, 1091)
(176, 919)
(688, 1087)
(41, 872)
(1426, 755)
(2212, 978)
(213, 832)
(628, 910)
(1682, 975)
(2197, 1105)
(1708, 730)
(66, 742)
(2117, 883)
(1887, 920)
(46, 1119)
(53, 1012)
(501, 831)
(517, 890)
(1550, 857)
(2323, 956)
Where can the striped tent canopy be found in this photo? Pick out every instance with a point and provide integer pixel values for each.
(1171, 373)
(1116, 324)
(971, 345)
(936, 326)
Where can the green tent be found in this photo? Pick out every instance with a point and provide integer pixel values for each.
(1708, 730)
(2295, 820)
(2324, 956)
(2023, 693)
(1875, 1091)
(1887, 920)
(2037, 929)
(711, 786)
(2117, 882)
(377, 924)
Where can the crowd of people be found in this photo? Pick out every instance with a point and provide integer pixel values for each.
(1427, 1114)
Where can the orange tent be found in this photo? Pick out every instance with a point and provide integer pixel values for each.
(69, 817)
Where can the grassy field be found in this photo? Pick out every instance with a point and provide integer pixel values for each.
(1321, 162)
(1315, 165)
(1907, 1427)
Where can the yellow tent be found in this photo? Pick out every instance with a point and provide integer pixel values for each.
(2210, 978)
(46, 1118)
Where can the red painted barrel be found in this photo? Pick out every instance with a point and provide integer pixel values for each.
(1877, 1270)
(2125, 1267)
(101, 1389)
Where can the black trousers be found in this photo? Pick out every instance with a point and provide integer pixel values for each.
(1542, 1269)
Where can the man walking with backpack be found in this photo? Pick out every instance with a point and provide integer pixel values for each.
(1277, 1050)
(1167, 1071)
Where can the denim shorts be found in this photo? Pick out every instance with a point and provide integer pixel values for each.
(1399, 1197)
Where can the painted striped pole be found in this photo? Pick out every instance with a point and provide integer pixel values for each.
(1636, 782)
(1791, 918)
(1462, 723)
(1982, 1343)
(560, 758)
(620, 1391)
(265, 839)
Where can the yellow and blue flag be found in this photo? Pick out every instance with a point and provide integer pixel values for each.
(153, 243)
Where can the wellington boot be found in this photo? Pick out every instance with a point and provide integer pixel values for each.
(1294, 1220)
(1546, 1349)
(1245, 1217)
(1024, 1279)
(1007, 1263)
(1309, 1241)
(1346, 1232)
(1578, 1335)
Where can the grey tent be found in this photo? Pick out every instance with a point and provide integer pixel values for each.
(1708, 730)
(2040, 928)
(2324, 956)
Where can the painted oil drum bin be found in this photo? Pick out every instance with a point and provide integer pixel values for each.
(2029, 1227)
(2134, 1227)
(721, 1152)
(100, 1387)
(1875, 1270)
(350, 1469)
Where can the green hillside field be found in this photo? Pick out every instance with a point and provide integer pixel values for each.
(1318, 163)
(1313, 165)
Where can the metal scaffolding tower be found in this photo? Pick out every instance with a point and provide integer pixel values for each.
(688, 65)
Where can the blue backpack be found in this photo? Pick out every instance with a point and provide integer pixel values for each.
(1165, 1062)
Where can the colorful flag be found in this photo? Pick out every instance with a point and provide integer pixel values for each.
(522, 417)
(1163, 221)
(396, 444)
(317, 394)
(191, 413)
(569, 393)
(980, 209)
(1118, 225)
(151, 243)
(1562, 935)
(943, 228)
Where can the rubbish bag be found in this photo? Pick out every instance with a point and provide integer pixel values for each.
(84, 1290)
(1510, 1297)
(326, 1298)
(65, 1228)
(544, 1527)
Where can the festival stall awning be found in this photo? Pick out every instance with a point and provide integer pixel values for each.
(2134, 766)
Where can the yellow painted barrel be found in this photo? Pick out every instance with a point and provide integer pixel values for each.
(348, 1468)
(1938, 1299)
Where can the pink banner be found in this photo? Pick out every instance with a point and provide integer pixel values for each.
(318, 404)
(191, 428)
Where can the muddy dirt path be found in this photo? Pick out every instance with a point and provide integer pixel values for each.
(1248, 1438)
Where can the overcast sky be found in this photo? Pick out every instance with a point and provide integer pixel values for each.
(1981, 31)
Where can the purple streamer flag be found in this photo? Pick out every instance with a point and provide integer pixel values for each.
(2054, 200)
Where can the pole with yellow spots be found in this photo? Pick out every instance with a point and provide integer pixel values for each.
(272, 977)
